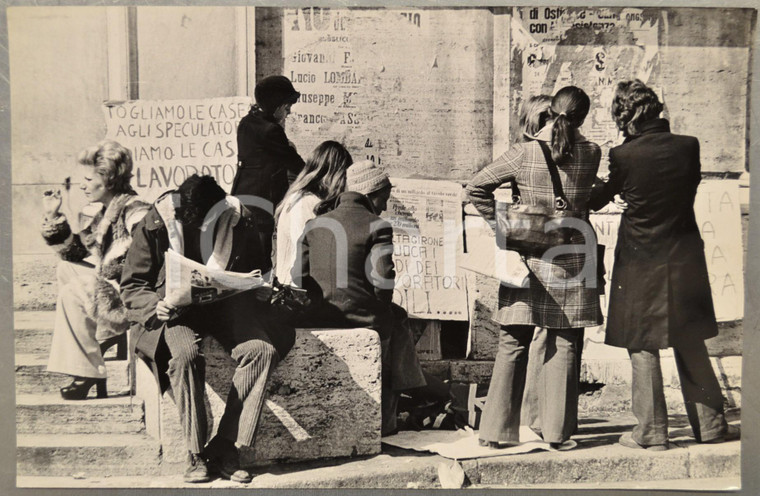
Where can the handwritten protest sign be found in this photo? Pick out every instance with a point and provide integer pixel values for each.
(427, 224)
(718, 211)
(173, 139)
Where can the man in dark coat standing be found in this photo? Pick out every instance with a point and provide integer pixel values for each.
(660, 294)
(190, 221)
(268, 161)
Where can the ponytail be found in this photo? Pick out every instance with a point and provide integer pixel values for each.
(563, 138)
(569, 109)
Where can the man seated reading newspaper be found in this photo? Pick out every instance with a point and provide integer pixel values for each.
(205, 233)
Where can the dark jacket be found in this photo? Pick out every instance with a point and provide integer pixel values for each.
(336, 247)
(144, 275)
(267, 161)
(660, 292)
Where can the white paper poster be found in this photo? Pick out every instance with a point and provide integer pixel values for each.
(718, 211)
(427, 243)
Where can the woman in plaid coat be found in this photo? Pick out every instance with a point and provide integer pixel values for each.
(555, 299)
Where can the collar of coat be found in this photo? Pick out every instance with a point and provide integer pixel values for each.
(353, 199)
(545, 134)
(653, 126)
(96, 214)
(650, 127)
(257, 111)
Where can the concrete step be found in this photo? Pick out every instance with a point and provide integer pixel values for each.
(34, 281)
(26, 320)
(34, 333)
(694, 486)
(50, 414)
(33, 341)
(597, 462)
(32, 376)
(89, 455)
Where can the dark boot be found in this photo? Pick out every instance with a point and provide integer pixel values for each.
(224, 459)
(196, 469)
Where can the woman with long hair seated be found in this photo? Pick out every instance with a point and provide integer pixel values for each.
(90, 317)
(313, 192)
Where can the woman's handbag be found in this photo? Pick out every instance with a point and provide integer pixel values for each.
(533, 229)
(289, 302)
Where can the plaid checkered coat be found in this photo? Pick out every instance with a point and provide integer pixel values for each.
(552, 300)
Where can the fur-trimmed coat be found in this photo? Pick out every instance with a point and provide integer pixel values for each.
(105, 236)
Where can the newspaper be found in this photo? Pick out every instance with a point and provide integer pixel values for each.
(189, 282)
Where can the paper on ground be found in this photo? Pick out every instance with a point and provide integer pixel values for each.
(463, 444)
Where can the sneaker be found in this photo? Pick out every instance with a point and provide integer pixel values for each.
(628, 441)
(197, 471)
(733, 433)
(224, 459)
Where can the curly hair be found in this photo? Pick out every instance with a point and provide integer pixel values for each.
(634, 103)
(113, 162)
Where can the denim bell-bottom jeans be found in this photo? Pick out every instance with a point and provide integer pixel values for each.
(557, 386)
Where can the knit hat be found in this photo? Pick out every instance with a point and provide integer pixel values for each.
(365, 178)
(273, 91)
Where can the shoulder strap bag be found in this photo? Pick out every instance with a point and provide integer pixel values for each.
(532, 229)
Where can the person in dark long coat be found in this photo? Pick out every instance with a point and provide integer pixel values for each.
(268, 161)
(660, 292)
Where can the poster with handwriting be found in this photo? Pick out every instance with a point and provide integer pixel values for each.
(427, 243)
(718, 211)
(171, 140)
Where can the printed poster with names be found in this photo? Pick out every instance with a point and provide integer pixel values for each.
(427, 243)
(409, 89)
(171, 140)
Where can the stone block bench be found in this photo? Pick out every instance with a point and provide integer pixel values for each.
(323, 400)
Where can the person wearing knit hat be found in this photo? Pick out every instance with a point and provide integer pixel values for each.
(267, 161)
(364, 298)
(365, 177)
